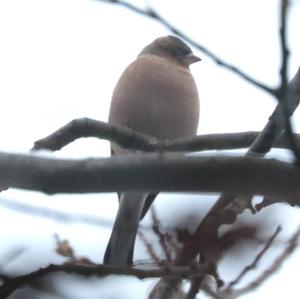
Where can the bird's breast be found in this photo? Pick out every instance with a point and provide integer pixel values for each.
(156, 98)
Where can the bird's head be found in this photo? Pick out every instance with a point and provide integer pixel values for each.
(172, 48)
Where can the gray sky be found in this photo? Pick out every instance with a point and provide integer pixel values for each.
(60, 60)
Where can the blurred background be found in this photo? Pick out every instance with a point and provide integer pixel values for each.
(60, 60)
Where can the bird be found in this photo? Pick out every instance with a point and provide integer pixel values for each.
(156, 95)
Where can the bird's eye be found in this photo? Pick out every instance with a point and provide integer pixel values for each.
(186, 52)
(179, 52)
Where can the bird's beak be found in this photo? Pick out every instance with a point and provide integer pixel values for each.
(191, 58)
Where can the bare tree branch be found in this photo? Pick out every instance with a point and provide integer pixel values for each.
(151, 13)
(150, 250)
(164, 238)
(284, 5)
(292, 244)
(161, 172)
(85, 127)
(255, 261)
(11, 284)
(57, 215)
(228, 206)
(281, 94)
(53, 214)
(261, 145)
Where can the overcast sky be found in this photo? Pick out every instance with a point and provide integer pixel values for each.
(60, 60)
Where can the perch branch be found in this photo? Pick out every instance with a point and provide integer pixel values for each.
(228, 206)
(161, 172)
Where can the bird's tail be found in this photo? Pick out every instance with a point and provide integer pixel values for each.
(120, 247)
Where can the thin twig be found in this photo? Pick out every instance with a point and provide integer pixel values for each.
(253, 265)
(162, 237)
(57, 215)
(262, 144)
(53, 214)
(150, 249)
(284, 5)
(292, 244)
(151, 13)
(283, 89)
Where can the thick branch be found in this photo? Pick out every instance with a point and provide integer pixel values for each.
(238, 175)
(276, 123)
(228, 206)
(265, 140)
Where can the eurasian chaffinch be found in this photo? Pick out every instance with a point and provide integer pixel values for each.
(156, 95)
